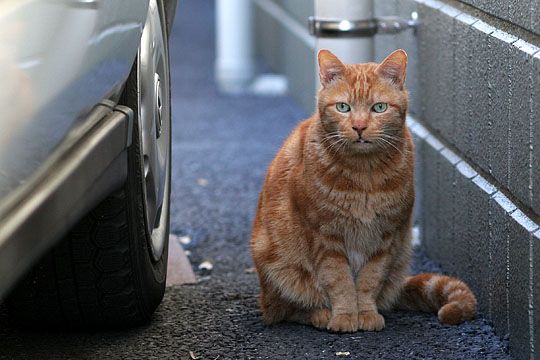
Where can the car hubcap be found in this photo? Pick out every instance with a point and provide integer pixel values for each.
(154, 122)
(159, 107)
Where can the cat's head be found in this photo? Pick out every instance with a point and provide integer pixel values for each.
(363, 106)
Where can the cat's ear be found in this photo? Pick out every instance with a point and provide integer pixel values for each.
(394, 67)
(330, 67)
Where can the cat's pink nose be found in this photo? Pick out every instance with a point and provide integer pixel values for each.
(359, 129)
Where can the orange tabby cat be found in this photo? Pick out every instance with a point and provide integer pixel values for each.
(331, 239)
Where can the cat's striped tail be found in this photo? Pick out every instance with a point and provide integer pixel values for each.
(449, 297)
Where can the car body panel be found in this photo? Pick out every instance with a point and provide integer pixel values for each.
(63, 65)
(58, 59)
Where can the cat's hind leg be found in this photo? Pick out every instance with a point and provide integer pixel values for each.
(279, 310)
(274, 308)
(317, 317)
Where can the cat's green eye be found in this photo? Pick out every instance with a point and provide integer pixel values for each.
(380, 107)
(343, 107)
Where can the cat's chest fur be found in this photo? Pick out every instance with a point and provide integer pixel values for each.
(360, 224)
(357, 196)
(365, 219)
(363, 211)
(362, 236)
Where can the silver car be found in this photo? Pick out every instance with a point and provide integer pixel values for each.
(85, 137)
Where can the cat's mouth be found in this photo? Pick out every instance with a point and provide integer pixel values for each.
(362, 141)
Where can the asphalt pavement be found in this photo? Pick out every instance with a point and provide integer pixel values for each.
(221, 148)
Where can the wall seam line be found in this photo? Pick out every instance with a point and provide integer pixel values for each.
(483, 25)
(466, 170)
(465, 8)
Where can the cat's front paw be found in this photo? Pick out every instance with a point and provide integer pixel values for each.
(343, 323)
(320, 317)
(370, 321)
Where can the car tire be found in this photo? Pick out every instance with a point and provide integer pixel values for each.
(110, 270)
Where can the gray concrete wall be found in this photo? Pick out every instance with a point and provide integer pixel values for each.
(524, 13)
(475, 96)
(283, 41)
(477, 232)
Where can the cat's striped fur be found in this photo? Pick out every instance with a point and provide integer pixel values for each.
(331, 238)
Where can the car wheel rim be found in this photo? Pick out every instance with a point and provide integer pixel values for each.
(154, 126)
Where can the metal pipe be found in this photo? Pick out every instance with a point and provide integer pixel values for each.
(234, 66)
(349, 50)
(342, 28)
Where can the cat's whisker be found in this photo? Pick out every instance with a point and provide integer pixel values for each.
(389, 138)
(336, 146)
(386, 132)
(335, 140)
(345, 142)
(332, 135)
(332, 143)
(328, 138)
(392, 145)
(393, 138)
(399, 142)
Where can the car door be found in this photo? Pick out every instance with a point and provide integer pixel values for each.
(57, 60)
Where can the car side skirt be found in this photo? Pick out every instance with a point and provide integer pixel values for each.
(88, 165)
